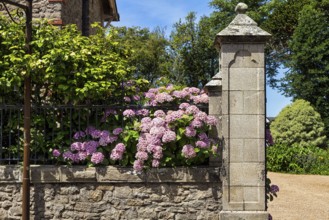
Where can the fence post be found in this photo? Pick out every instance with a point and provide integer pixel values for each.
(243, 118)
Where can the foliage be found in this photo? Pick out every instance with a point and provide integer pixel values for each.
(148, 137)
(298, 159)
(150, 56)
(309, 60)
(300, 124)
(89, 69)
(195, 59)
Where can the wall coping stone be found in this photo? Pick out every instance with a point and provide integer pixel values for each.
(109, 174)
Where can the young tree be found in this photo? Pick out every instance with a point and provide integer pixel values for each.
(300, 124)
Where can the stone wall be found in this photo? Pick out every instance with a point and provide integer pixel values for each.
(112, 193)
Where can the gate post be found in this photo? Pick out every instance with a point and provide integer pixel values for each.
(243, 118)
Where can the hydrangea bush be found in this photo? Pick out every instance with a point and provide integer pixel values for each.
(151, 136)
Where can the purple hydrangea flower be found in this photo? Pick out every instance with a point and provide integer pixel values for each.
(274, 189)
(78, 135)
(202, 144)
(143, 112)
(76, 146)
(91, 147)
(136, 97)
(190, 131)
(67, 155)
(117, 131)
(56, 153)
(97, 158)
(157, 131)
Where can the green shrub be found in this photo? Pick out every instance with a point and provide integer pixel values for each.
(298, 159)
(299, 124)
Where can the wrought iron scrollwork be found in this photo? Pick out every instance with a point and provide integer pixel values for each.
(15, 15)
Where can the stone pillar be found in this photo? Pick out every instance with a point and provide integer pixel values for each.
(243, 118)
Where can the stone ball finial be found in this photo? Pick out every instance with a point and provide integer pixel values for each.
(241, 8)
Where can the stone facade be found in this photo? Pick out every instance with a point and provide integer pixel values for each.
(112, 193)
(61, 12)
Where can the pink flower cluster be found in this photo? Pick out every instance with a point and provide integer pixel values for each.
(87, 148)
(156, 133)
(161, 128)
(167, 94)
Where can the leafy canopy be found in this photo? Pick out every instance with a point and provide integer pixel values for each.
(65, 67)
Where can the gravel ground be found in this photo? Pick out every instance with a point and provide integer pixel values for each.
(301, 197)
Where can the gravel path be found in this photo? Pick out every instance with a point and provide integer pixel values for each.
(301, 197)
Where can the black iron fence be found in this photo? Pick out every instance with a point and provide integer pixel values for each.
(53, 127)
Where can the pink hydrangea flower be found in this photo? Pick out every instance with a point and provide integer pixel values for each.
(158, 122)
(202, 144)
(126, 99)
(211, 120)
(97, 158)
(188, 151)
(141, 155)
(159, 113)
(184, 106)
(192, 110)
(138, 165)
(155, 163)
(168, 136)
(190, 131)
(129, 113)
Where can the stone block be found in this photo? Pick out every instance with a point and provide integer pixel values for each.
(215, 105)
(245, 79)
(247, 150)
(247, 174)
(254, 102)
(245, 215)
(45, 174)
(167, 175)
(246, 126)
(77, 174)
(118, 174)
(10, 173)
(239, 198)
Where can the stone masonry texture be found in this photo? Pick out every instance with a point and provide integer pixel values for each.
(112, 193)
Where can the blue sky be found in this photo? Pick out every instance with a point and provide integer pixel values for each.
(164, 13)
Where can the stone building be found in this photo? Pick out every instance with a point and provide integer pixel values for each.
(62, 12)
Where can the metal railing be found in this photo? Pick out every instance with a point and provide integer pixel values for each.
(52, 127)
